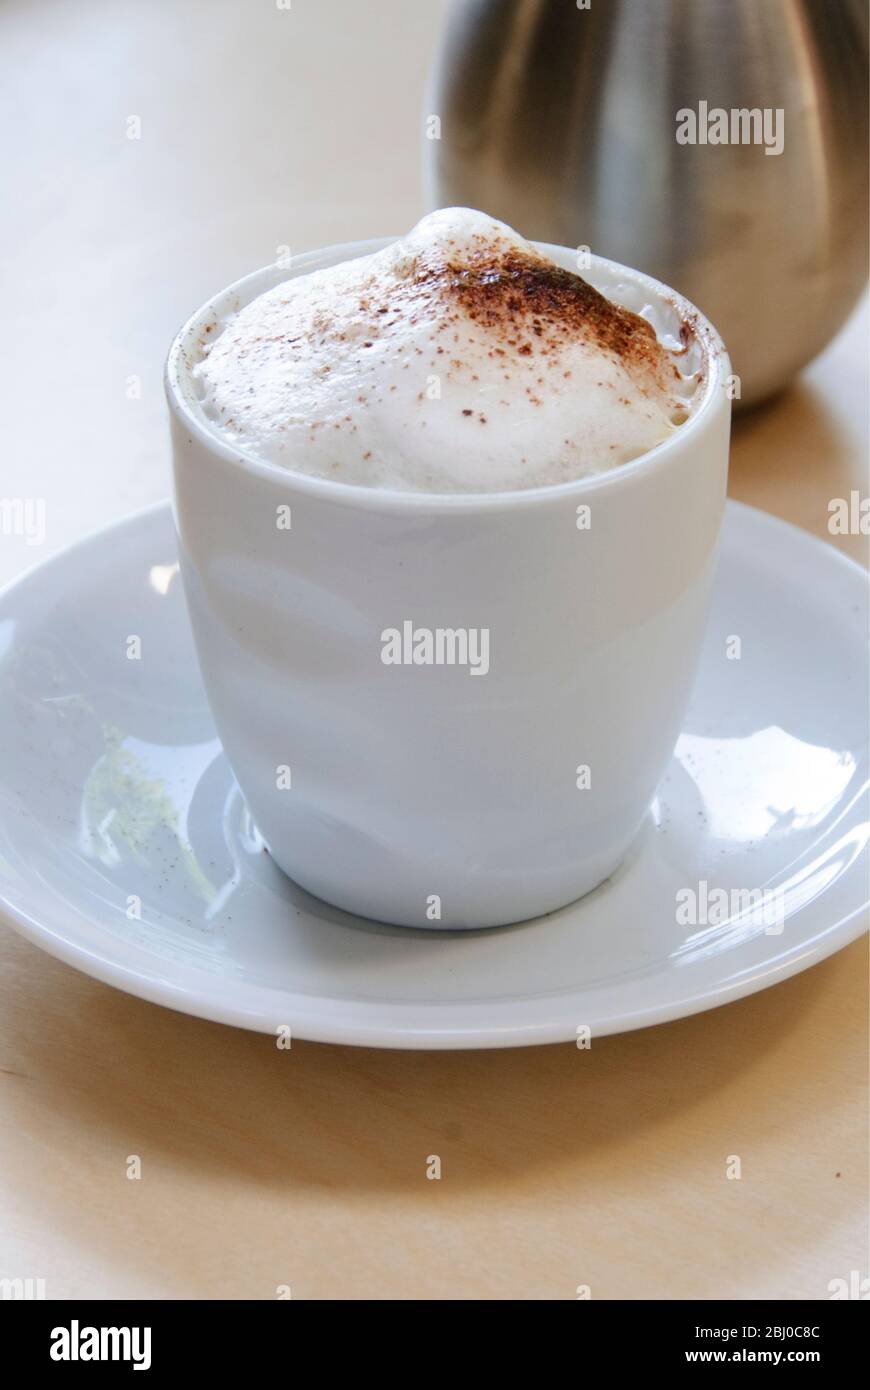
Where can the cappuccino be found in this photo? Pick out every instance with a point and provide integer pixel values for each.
(460, 359)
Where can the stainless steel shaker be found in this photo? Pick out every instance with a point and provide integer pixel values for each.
(564, 120)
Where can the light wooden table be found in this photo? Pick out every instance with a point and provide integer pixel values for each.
(262, 128)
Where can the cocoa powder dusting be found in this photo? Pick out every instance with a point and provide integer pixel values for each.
(507, 290)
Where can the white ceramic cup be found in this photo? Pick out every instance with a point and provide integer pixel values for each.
(437, 795)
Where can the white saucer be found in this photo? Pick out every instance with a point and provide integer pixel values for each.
(114, 784)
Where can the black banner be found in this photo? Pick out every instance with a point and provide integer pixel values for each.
(80, 1337)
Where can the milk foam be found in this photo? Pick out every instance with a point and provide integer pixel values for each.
(459, 359)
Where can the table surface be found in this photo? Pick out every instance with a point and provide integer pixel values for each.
(262, 128)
